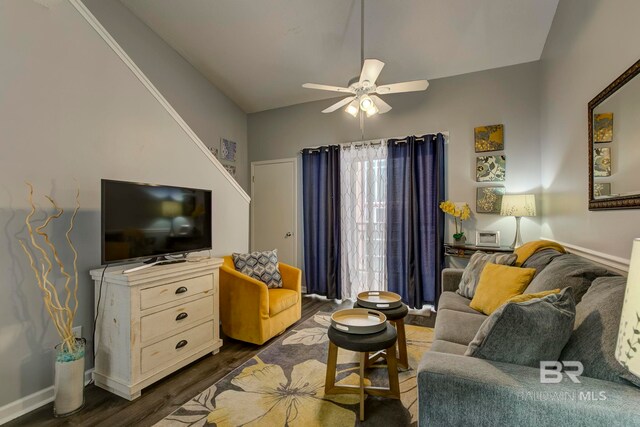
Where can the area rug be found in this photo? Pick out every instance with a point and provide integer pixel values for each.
(283, 385)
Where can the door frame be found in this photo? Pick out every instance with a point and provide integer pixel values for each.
(294, 162)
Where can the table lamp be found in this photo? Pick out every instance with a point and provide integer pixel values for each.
(628, 346)
(518, 205)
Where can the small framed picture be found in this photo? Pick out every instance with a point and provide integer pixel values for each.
(227, 150)
(487, 238)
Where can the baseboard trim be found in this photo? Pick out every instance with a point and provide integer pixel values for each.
(619, 265)
(111, 42)
(22, 406)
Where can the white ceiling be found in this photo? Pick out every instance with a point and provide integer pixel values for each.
(260, 52)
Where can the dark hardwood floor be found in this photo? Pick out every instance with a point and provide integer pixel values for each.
(162, 398)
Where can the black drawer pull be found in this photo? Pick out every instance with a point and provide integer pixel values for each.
(181, 344)
(181, 290)
(181, 316)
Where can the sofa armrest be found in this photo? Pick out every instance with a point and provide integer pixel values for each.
(461, 390)
(291, 277)
(451, 279)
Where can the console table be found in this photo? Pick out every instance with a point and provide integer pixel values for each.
(153, 322)
(465, 251)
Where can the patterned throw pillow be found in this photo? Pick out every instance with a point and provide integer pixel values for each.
(471, 274)
(261, 266)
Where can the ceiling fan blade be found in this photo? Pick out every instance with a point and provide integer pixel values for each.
(382, 106)
(371, 70)
(326, 87)
(338, 104)
(403, 87)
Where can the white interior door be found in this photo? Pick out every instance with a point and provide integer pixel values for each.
(274, 204)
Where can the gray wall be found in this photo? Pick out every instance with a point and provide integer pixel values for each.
(70, 110)
(590, 44)
(207, 111)
(457, 104)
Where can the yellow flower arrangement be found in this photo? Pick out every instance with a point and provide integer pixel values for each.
(459, 213)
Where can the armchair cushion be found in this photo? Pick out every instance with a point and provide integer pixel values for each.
(281, 299)
(261, 266)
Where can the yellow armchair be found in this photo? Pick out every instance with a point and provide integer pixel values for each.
(252, 312)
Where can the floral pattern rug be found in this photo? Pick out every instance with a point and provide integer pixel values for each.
(283, 385)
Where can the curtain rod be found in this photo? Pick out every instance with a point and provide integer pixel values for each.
(377, 140)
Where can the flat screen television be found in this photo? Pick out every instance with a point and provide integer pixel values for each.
(147, 221)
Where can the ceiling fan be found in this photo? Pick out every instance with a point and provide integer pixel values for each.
(364, 92)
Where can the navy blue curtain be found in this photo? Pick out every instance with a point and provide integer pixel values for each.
(415, 224)
(321, 219)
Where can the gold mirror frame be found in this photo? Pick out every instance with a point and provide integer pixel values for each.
(619, 202)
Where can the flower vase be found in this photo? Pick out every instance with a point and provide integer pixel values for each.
(69, 379)
(459, 239)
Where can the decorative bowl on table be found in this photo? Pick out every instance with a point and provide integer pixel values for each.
(358, 321)
(379, 300)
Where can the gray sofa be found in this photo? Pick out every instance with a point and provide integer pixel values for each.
(454, 389)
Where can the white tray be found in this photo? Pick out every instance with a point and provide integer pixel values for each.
(359, 321)
(379, 299)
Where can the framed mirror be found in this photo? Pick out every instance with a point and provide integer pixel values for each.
(614, 144)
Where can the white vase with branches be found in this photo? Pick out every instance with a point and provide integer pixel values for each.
(62, 306)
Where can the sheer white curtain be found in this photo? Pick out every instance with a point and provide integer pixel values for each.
(363, 195)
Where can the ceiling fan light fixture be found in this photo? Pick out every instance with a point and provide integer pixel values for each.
(353, 108)
(366, 103)
(363, 88)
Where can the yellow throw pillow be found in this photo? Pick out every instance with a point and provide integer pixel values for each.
(497, 284)
(528, 297)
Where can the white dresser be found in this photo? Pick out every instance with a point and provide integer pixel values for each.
(154, 321)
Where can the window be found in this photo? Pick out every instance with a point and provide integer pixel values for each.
(363, 188)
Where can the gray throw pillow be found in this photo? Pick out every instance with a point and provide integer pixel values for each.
(594, 338)
(261, 266)
(567, 270)
(541, 259)
(527, 332)
(471, 274)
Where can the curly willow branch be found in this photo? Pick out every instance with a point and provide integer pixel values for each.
(41, 280)
(75, 253)
(62, 316)
(67, 276)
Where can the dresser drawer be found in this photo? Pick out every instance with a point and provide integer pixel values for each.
(151, 297)
(173, 318)
(175, 348)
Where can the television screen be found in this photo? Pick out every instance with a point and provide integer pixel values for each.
(146, 221)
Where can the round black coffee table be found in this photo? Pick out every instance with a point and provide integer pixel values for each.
(363, 344)
(396, 317)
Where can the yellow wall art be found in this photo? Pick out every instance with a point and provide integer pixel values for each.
(489, 138)
(603, 127)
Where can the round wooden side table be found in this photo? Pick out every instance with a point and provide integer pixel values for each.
(363, 344)
(396, 317)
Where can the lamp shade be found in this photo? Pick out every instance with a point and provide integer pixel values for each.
(171, 208)
(628, 346)
(518, 205)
